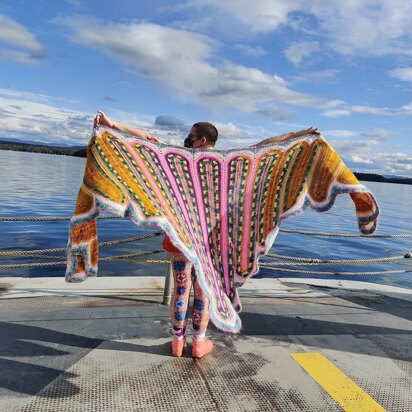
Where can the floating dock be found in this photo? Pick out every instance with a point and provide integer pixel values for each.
(104, 345)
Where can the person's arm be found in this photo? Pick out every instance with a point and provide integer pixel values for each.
(102, 119)
(287, 136)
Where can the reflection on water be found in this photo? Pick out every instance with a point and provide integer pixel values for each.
(35, 184)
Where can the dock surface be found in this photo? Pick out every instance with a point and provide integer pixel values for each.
(104, 345)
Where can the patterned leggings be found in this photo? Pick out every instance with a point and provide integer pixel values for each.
(184, 275)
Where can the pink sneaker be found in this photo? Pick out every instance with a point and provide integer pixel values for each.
(177, 346)
(201, 347)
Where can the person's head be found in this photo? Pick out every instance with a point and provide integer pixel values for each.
(202, 135)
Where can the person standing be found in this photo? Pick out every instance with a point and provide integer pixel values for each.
(202, 136)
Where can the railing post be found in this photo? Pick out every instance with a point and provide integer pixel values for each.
(167, 293)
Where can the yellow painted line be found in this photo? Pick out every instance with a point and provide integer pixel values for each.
(342, 389)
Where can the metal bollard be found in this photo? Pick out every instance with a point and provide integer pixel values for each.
(167, 293)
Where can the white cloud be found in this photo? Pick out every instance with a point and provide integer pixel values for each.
(363, 28)
(202, 23)
(28, 116)
(175, 58)
(394, 163)
(259, 15)
(180, 60)
(346, 110)
(404, 73)
(368, 28)
(231, 135)
(334, 103)
(359, 159)
(406, 109)
(275, 113)
(297, 51)
(322, 76)
(13, 34)
(372, 110)
(358, 147)
(379, 133)
(384, 111)
(245, 87)
(336, 113)
(367, 156)
(339, 133)
(376, 135)
(24, 95)
(249, 50)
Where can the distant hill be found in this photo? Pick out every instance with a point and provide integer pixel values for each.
(80, 151)
(395, 177)
(372, 177)
(37, 147)
(34, 142)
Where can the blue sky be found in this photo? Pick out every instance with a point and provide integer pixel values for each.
(255, 69)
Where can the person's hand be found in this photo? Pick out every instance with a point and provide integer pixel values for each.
(152, 138)
(310, 130)
(102, 120)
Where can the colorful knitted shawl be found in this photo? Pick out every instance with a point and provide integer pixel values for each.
(221, 208)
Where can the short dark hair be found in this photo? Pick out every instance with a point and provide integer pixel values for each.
(208, 130)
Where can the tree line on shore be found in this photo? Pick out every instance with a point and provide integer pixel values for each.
(77, 151)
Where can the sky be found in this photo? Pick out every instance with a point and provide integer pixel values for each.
(254, 69)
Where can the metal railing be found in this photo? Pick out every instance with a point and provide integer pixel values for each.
(275, 265)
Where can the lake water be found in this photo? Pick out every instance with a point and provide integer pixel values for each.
(35, 184)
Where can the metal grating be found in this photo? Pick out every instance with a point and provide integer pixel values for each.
(150, 380)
